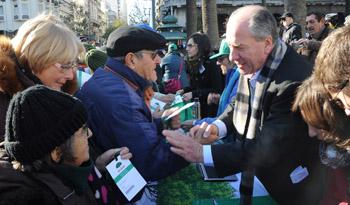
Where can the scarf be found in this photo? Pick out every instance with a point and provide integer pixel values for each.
(247, 115)
(76, 177)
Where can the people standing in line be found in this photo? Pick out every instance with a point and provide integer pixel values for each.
(117, 99)
(95, 58)
(231, 72)
(291, 30)
(270, 140)
(318, 31)
(44, 51)
(171, 65)
(205, 76)
(46, 142)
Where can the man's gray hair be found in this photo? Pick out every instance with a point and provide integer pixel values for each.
(262, 24)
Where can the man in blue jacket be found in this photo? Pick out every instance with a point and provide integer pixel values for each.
(117, 99)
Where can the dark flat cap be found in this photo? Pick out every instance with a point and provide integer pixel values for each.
(287, 14)
(127, 39)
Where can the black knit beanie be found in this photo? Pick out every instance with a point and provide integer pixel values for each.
(40, 119)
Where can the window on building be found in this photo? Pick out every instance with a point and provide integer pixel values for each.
(1, 12)
(15, 11)
(41, 6)
(25, 10)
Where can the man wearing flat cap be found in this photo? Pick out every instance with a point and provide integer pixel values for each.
(117, 99)
(291, 30)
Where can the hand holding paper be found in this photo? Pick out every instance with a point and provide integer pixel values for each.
(205, 133)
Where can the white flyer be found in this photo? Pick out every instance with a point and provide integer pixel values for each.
(126, 177)
(157, 103)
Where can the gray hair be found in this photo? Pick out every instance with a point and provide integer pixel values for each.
(261, 23)
(347, 20)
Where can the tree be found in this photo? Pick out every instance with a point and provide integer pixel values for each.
(210, 21)
(78, 20)
(191, 17)
(136, 15)
(116, 24)
(298, 9)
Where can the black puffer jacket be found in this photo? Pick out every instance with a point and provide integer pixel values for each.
(19, 188)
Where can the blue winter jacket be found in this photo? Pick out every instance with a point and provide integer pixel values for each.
(118, 116)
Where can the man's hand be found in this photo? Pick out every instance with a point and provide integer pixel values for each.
(175, 121)
(187, 96)
(184, 146)
(157, 113)
(106, 157)
(303, 41)
(205, 133)
(213, 98)
(169, 98)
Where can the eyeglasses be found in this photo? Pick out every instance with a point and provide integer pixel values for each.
(335, 100)
(66, 67)
(153, 54)
(222, 58)
(190, 45)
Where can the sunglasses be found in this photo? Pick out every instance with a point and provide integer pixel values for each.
(335, 100)
(153, 54)
(190, 45)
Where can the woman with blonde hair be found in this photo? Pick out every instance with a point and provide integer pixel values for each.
(44, 51)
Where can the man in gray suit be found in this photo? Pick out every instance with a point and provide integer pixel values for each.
(269, 140)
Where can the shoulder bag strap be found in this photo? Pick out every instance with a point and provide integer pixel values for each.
(179, 74)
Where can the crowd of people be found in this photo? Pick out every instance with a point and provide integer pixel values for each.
(273, 104)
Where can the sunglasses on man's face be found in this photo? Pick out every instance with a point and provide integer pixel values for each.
(153, 54)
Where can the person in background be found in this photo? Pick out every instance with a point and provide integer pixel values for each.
(291, 30)
(334, 20)
(95, 58)
(205, 76)
(318, 31)
(270, 141)
(232, 75)
(117, 99)
(44, 51)
(332, 67)
(46, 143)
(171, 64)
(328, 123)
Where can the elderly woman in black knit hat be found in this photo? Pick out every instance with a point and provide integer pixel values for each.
(46, 141)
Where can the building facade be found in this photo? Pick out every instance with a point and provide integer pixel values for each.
(177, 8)
(14, 12)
